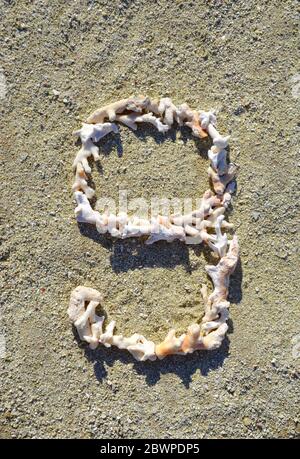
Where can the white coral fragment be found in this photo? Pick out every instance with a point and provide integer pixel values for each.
(183, 114)
(221, 272)
(134, 104)
(95, 132)
(89, 134)
(164, 232)
(207, 118)
(168, 110)
(80, 183)
(133, 118)
(106, 338)
(143, 350)
(208, 122)
(196, 127)
(220, 182)
(220, 241)
(84, 212)
(171, 345)
(88, 149)
(138, 346)
(214, 339)
(218, 160)
(86, 321)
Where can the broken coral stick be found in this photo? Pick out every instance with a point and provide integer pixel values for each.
(132, 104)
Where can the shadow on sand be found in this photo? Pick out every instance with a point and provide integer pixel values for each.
(132, 254)
(182, 366)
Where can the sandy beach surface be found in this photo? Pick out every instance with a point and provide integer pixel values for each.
(60, 61)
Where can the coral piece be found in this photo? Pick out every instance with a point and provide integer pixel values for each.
(171, 345)
(191, 118)
(133, 118)
(214, 339)
(86, 321)
(207, 118)
(218, 160)
(164, 232)
(221, 272)
(106, 338)
(183, 114)
(95, 132)
(208, 203)
(84, 212)
(78, 298)
(143, 350)
(219, 182)
(132, 104)
(208, 121)
(218, 315)
(196, 127)
(88, 135)
(192, 340)
(227, 196)
(88, 149)
(80, 183)
(137, 345)
(220, 241)
(153, 106)
(168, 110)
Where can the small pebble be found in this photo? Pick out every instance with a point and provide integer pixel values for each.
(255, 215)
